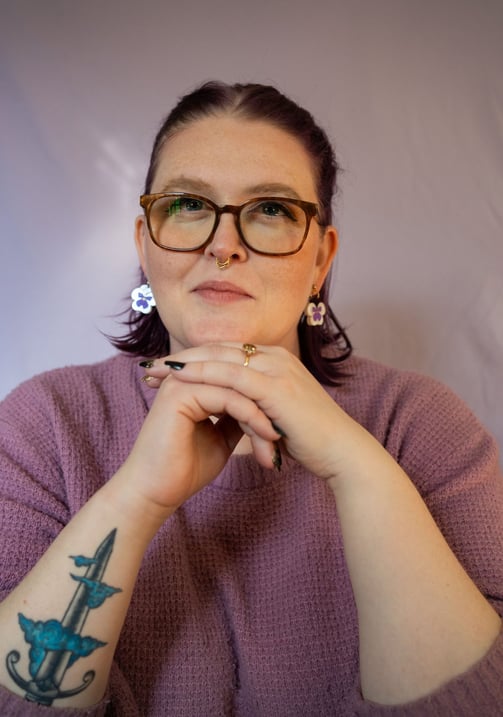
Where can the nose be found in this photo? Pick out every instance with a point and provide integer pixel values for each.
(226, 242)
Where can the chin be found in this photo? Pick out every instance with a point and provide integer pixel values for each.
(224, 337)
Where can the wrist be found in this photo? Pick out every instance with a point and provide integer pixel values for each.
(365, 466)
(127, 506)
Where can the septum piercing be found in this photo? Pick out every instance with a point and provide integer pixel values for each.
(223, 264)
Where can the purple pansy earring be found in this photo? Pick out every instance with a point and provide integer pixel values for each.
(143, 299)
(315, 309)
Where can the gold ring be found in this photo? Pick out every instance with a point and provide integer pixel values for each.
(249, 350)
(223, 264)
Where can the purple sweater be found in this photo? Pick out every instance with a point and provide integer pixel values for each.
(243, 605)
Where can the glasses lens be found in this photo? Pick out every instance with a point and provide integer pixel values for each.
(181, 222)
(273, 226)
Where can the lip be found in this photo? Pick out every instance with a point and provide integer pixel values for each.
(220, 292)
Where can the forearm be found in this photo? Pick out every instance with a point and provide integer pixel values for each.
(48, 593)
(421, 619)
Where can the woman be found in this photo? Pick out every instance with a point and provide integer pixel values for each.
(259, 524)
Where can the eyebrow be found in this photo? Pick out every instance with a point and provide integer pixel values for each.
(274, 189)
(183, 183)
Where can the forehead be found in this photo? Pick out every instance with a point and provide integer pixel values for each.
(231, 153)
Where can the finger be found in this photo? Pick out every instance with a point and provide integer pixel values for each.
(227, 377)
(226, 351)
(206, 352)
(154, 369)
(231, 431)
(151, 381)
(198, 401)
(267, 362)
(267, 453)
(251, 419)
(251, 383)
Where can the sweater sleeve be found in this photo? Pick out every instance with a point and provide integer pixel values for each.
(33, 503)
(63, 434)
(476, 693)
(453, 462)
(38, 496)
(14, 706)
(118, 702)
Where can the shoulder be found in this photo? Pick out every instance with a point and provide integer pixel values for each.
(422, 423)
(72, 421)
(81, 387)
(370, 387)
(74, 376)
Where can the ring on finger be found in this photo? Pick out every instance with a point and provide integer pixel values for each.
(249, 350)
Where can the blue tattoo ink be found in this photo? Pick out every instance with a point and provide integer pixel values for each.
(51, 635)
(97, 593)
(81, 561)
(57, 645)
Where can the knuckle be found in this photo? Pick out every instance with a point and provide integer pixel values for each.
(169, 387)
(217, 351)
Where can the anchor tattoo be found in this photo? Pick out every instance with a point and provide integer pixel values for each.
(56, 645)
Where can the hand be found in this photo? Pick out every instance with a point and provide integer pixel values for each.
(318, 433)
(180, 449)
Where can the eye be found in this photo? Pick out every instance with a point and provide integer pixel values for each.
(270, 209)
(275, 209)
(184, 204)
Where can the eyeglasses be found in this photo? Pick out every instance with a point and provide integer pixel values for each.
(276, 226)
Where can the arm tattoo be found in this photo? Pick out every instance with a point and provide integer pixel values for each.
(57, 644)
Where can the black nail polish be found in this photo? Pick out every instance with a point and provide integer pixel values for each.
(276, 457)
(278, 430)
(146, 364)
(176, 365)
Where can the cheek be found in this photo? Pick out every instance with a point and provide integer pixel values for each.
(299, 275)
(164, 268)
(291, 287)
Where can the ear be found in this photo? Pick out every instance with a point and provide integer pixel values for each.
(140, 239)
(326, 254)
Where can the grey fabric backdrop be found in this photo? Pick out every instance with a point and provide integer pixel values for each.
(411, 91)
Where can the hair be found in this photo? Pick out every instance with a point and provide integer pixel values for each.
(323, 348)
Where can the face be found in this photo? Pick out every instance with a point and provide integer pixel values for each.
(257, 298)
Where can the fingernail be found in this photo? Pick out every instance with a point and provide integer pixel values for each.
(276, 457)
(146, 364)
(278, 430)
(146, 379)
(176, 365)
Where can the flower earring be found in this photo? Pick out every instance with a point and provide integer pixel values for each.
(143, 299)
(315, 309)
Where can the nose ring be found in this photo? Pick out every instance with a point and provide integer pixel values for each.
(223, 264)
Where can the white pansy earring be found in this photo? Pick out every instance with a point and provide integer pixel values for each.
(143, 299)
(315, 309)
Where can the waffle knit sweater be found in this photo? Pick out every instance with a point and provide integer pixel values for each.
(243, 606)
